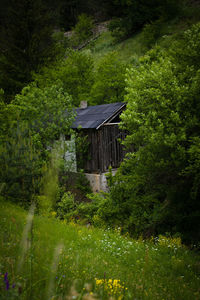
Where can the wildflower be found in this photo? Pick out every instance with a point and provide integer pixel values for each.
(169, 242)
(6, 281)
(111, 286)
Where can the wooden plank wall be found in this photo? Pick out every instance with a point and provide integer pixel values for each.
(104, 148)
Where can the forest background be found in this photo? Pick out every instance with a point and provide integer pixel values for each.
(44, 72)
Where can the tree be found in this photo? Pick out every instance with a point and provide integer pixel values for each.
(39, 117)
(44, 110)
(133, 14)
(75, 73)
(68, 13)
(83, 30)
(70, 10)
(109, 83)
(157, 186)
(26, 43)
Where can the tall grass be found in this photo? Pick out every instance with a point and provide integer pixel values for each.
(91, 263)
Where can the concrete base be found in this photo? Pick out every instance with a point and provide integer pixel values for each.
(98, 182)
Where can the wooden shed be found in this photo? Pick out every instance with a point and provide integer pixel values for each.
(100, 124)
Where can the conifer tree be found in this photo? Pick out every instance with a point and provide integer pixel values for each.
(25, 43)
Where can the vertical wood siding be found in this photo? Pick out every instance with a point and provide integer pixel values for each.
(104, 148)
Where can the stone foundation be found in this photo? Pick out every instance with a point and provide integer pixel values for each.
(98, 182)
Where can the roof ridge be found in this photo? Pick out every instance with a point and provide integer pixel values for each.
(95, 116)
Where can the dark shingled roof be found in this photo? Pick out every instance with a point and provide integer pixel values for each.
(95, 116)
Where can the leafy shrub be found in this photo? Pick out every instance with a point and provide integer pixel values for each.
(82, 183)
(76, 183)
(151, 32)
(103, 212)
(170, 242)
(118, 31)
(83, 30)
(62, 41)
(66, 206)
(87, 212)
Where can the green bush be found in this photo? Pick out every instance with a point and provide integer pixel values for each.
(83, 30)
(99, 212)
(66, 206)
(76, 183)
(84, 212)
(82, 183)
(62, 41)
(151, 32)
(118, 31)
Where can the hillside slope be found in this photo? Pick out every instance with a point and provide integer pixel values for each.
(156, 33)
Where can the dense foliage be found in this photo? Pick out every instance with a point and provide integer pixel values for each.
(37, 118)
(26, 43)
(69, 11)
(133, 14)
(79, 78)
(157, 186)
(109, 80)
(74, 74)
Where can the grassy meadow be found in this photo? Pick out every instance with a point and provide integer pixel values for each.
(44, 258)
